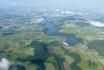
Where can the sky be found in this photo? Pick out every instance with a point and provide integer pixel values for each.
(58, 4)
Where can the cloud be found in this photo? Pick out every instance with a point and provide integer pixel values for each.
(4, 64)
(13, 3)
(95, 5)
(97, 23)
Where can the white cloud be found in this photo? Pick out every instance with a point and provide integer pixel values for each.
(97, 23)
(4, 64)
(13, 3)
(65, 43)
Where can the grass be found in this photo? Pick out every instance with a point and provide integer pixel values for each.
(49, 66)
(79, 31)
(97, 45)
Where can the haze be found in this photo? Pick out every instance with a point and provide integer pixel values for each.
(94, 5)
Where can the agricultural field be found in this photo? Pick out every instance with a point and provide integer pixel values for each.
(38, 41)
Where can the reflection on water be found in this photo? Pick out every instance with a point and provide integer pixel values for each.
(50, 29)
(72, 40)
